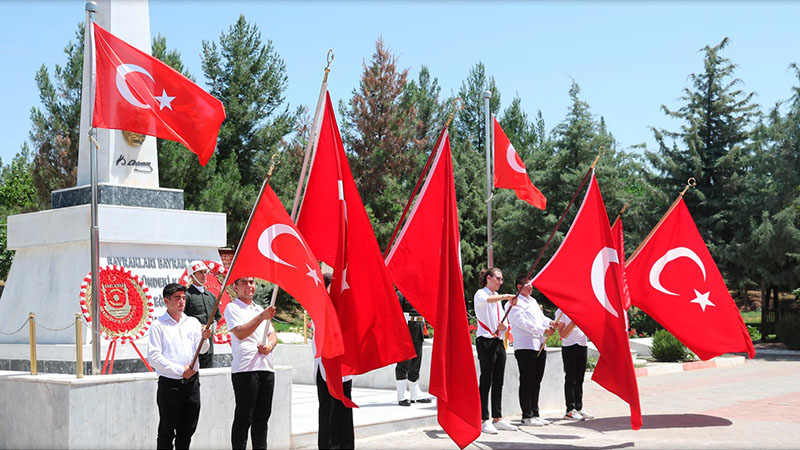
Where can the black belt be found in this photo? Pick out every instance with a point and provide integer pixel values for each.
(189, 380)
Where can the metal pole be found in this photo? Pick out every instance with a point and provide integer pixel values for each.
(32, 326)
(78, 347)
(487, 97)
(91, 8)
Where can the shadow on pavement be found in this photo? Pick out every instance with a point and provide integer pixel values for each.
(655, 421)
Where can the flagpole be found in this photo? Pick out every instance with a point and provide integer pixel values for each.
(553, 233)
(421, 177)
(691, 182)
(487, 97)
(619, 215)
(94, 230)
(311, 146)
(235, 257)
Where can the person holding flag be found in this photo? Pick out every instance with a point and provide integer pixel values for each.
(200, 303)
(573, 354)
(490, 348)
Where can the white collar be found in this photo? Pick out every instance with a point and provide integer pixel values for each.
(199, 288)
(168, 318)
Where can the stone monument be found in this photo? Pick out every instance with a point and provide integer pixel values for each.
(142, 227)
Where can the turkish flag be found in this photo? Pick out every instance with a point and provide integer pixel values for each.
(425, 264)
(674, 280)
(273, 249)
(619, 244)
(139, 93)
(334, 222)
(584, 279)
(509, 171)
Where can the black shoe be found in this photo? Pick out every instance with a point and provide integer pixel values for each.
(422, 400)
(404, 403)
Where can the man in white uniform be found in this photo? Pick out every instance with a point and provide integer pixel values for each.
(252, 367)
(174, 338)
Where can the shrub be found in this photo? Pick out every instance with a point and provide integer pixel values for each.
(788, 331)
(591, 363)
(755, 333)
(554, 340)
(642, 323)
(667, 348)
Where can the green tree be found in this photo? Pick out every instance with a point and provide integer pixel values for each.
(249, 77)
(711, 146)
(56, 127)
(18, 195)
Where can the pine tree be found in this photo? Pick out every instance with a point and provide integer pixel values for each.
(56, 128)
(711, 147)
(249, 77)
(18, 194)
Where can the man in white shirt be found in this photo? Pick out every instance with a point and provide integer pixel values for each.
(573, 353)
(174, 338)
(531, 329)
(490, 348)
(252, 367)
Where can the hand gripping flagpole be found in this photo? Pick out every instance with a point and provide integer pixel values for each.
(553, 233)
(233, 261)
(421, 177)
(311, 147)
(690, 183)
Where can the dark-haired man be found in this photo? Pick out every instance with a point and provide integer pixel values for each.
(252, 367)
(174, 338)
(199, 303)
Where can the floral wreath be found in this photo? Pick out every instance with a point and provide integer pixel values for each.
(214, 284)
(126, 307)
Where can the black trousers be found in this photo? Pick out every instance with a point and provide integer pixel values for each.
(178, 410)
(574, 357)
(531, 372)
(335, 419)
(253, 394)
(207, 359)
(410, 369)
(492, 360)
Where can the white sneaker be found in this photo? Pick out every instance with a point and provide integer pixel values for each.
(586, 415)
(488, 428)
(573, 415)
(505, 426)
(543, 421)
(535, 421)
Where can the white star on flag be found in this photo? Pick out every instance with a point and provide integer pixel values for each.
(344, 280)
(165, 100)
(702, 300)
(313, 274)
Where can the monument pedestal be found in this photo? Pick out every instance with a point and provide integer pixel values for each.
(52, 258)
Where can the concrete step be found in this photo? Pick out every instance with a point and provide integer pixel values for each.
(378, 413)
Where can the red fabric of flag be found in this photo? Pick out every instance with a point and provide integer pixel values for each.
(335, 224)
(273, 249)
(509, 171)
(584, 279)
(425, 264)
(674, 279)
(619, 244)
(139, 93)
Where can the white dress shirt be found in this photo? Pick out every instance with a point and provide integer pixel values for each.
(577, 336)
(528, 323)
(172, 345)
(488, 314)
(246, 357)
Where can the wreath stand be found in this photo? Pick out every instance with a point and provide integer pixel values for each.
(112, 351)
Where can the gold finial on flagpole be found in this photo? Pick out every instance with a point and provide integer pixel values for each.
(690, 183)
(600, 153)
(329, 58)
(273, 163)
(455, 108)
(624, 207)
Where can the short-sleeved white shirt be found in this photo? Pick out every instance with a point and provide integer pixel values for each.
(245, 351)
(488, 314)
(576, 337)
(529, 324)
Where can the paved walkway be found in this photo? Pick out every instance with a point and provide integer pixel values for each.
(753, 405)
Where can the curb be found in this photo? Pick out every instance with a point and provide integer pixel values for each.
(694, 365)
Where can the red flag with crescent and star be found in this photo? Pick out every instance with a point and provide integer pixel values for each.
(509, 170)
(272, 249)
(425, 263)
(335, 224)
(139, 93)
(674, 280)
(584, 279)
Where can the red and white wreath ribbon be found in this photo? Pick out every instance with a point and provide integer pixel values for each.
(126, 307)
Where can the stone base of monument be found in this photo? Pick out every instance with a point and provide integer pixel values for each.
(121, 195)
(53, 257)
(119, 411)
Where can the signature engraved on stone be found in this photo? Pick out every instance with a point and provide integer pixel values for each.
(138, 166)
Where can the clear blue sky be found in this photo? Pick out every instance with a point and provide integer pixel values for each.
(628, 57)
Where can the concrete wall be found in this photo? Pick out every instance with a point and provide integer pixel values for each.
(119, 411)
